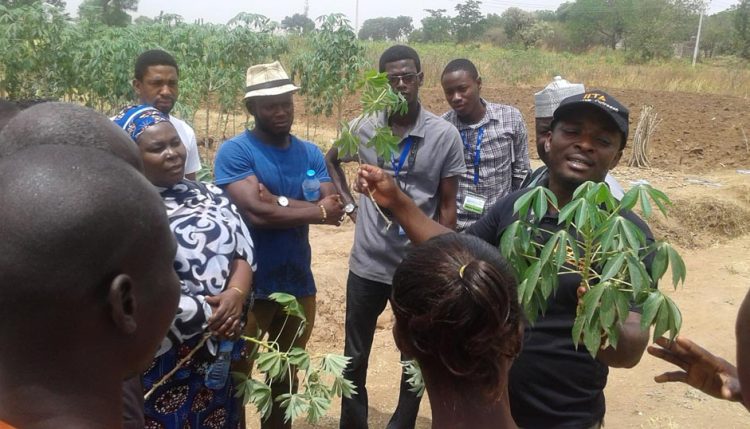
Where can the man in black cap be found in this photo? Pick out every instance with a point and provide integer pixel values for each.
(551, 384)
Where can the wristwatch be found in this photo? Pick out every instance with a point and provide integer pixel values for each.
(349, 208)
(282, 201)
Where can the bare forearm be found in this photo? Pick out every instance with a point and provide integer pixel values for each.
(631, 344)
(266, 216)
(338, 177)
(240, 276)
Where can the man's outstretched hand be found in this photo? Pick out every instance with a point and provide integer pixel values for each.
(700, 369)
(374, 181)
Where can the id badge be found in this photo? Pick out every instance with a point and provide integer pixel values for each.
(474, 203)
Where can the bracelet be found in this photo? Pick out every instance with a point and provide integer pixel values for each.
(323, 214)
(238, 290)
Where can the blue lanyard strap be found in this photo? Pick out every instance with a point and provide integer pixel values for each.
(404, 153)
(477, 151)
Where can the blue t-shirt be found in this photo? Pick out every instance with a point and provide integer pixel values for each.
(282, 254)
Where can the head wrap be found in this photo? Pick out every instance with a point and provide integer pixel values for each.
(547, 100)
(135, 119)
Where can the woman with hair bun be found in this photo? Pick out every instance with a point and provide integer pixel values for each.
(457, 313)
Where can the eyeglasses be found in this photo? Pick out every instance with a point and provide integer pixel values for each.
(408, 78)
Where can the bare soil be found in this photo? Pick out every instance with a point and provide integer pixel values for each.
(696, 153)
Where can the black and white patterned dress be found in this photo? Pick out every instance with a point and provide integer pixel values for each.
(210, 234)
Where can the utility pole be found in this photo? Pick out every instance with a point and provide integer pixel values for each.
(307, 7)
(356, 16)
(698, 37)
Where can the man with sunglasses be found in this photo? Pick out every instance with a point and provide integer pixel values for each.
(426, 167)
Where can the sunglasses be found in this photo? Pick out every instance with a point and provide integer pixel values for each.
(408, 78)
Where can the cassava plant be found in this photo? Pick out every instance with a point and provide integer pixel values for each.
(377, 97)
(605, 249)
(321, 376)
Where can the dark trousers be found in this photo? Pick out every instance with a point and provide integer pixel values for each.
(365, 300)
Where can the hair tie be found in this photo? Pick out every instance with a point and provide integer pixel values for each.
(461, 270)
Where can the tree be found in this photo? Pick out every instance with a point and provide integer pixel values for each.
(329, 66)
(298, 23)
(386, 28)
(400, 28)
(113, 13)
(516, 22)
(742, 28)
(605, 20)
(436, 27)
(60, 4)
(374, 29)
(468, 24)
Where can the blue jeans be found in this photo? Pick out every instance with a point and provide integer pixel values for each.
(365, 300)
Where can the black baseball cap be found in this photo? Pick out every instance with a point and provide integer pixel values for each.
(600, 99)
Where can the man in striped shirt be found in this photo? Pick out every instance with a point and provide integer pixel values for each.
(494, 138)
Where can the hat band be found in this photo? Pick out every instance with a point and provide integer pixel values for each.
(269, 84)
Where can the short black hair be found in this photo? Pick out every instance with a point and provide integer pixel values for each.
(397, 53)
(461, 64)
(153, 57)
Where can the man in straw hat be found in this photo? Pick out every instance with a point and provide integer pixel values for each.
(269, 156)
(429, 160)
(551, 384)
(545, 103)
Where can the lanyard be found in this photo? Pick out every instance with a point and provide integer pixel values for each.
(404, 152)
(477, 151)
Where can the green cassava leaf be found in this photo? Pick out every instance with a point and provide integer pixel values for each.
(271, 363)
(570, 209)
(592, 336)
(334, 364)
(645, 204)
(591, 301)
(678, 265)
(318, 407)
(523, 203)
(607, 309)
(612, 267)
(662, 319)
(659, 264)
(650, 309)
(630, 198)
(299, 357)
(294, 404)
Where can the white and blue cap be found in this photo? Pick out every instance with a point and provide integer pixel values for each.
(548, 99)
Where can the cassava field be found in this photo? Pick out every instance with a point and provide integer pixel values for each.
(699, 153)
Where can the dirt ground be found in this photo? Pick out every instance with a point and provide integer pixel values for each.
(696, 153)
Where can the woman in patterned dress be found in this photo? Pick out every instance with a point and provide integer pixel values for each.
(214, 261)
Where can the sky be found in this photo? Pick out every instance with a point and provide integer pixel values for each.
(221, 11)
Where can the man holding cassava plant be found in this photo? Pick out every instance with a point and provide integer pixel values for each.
(495, 142)
(156, 83)
(426, 166)
(263, 170)
(545, 102)
(553, 383)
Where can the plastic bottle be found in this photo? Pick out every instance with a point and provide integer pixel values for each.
(311, 186)
(218, 371)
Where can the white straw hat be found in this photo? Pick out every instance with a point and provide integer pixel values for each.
(548, 99)
(268, 79)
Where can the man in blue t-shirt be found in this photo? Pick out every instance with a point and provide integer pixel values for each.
(279, 216)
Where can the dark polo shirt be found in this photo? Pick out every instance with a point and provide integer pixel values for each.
(552, 385)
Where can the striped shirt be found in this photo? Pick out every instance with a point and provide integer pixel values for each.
(503, 157)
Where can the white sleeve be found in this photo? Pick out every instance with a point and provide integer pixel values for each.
(193, 161)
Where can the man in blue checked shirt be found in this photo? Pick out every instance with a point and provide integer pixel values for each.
(494, 138)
